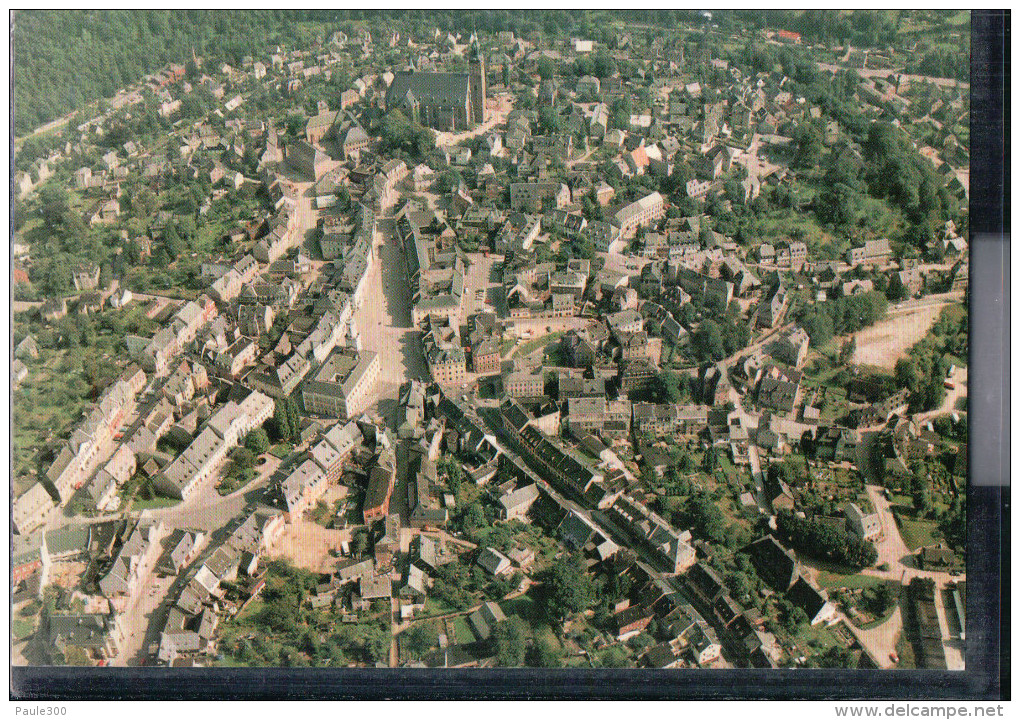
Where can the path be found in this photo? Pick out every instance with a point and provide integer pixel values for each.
(868, 73)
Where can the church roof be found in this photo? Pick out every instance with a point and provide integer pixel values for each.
(428, 87)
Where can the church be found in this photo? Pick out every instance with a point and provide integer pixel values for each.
(442, 100)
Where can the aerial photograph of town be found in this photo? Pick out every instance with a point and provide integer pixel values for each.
(489, 338)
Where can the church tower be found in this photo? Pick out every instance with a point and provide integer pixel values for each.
(476, 85)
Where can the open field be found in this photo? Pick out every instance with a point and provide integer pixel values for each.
(882, 344)
(307, 545)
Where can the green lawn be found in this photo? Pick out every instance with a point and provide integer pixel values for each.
(523, 606)
(435, 606)
(828, 579)
(817, 637)
(536, 343)
(463, 630)
(155, 503)
(281, 450)
(22, 628)
(916, 533)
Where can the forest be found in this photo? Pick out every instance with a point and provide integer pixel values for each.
(66, 60)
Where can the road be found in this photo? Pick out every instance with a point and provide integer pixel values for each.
(868, 73)
(208, 510)
(482, 276)
(384, 319)
(891, 548)
(950, 298)
(881, 640)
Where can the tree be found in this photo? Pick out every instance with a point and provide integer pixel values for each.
(548, 120)
(847, 351)
(671, 387)
(834, 657)
(509, 642)
(417, 640)
(603, 64)
(543, 654)
(896, 291)
(613, 656)
(244, 459)
(257, 441)
(286, 423)
(568, 589)
(809, 146)
(545, 68)
(707, 341)
(706, 518)
(53, 205)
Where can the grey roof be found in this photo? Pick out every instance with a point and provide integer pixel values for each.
(69, 540)
(426, 87)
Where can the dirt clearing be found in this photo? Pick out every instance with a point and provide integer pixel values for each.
(307, 545)
(883, 344)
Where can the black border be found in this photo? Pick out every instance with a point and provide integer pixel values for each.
(988, 623)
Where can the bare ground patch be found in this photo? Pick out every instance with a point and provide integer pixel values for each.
(308, 545)
(883, 344)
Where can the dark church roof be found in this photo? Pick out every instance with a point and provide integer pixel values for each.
(449, 89)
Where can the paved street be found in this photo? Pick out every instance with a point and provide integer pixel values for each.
(384, 320)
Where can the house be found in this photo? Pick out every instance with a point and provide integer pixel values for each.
(937, 559)
(99, 635)
(494, 562)
(484, 620)
(775, 565)
(872, 251)
(632, 621)
(515, 505)
(648, 209)
(704, 643)
(32, 509)
(381, 479)
(27, 349)
(813, 601)
(865, 526)
(307, 159)
(532, 197)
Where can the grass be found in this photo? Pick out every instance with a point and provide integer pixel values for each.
(435, 606)
(155, 503)
(905, 652)
(816, 637)
(523, 606)
(22, 628)
(532, 345)
(463, 630)
(916, 533)
(281, 450)
(827, 579)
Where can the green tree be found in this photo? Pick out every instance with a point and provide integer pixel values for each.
(419, 639)
(897, 290)
(568, 589)
(707, 341)
(257, 441)
(509, 641)
(545, 68)
(548, 120)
